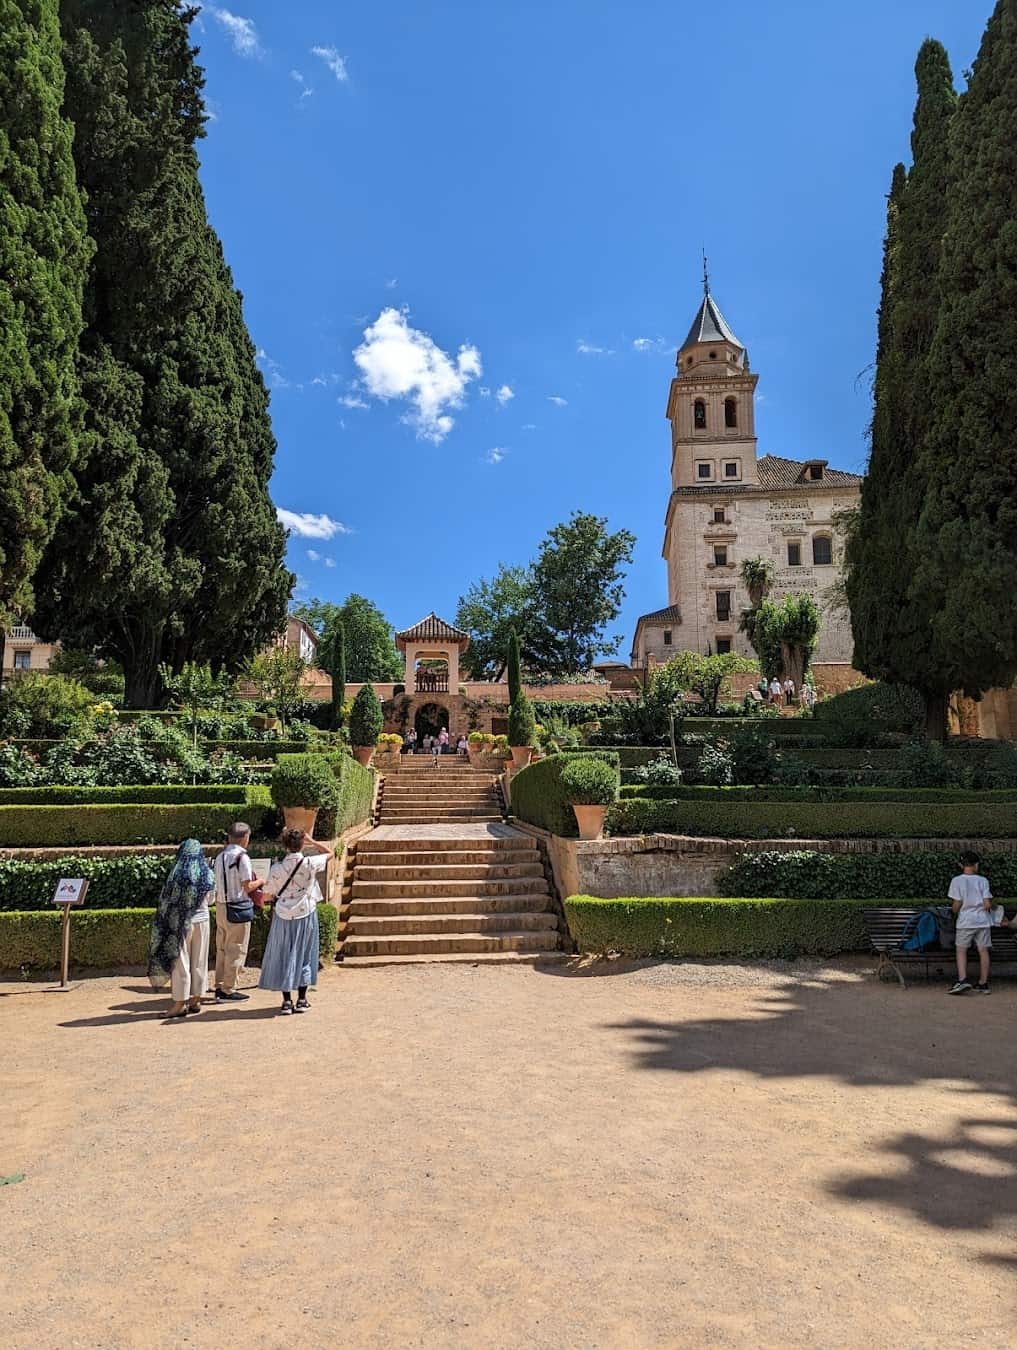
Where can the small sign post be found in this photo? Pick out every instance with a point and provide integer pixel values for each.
(70, 892)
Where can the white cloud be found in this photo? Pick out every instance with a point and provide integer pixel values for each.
(330, 562)
(323, 381)
(495, 456)
(317, 557)
(645, 344)
(241, 32)
(314, 555)
(273, 370)
(398, 361)
(306, 90)
(557, 400)
(588, 349)
(352, 401)
(309, 526)
(332, 59)
(392, 283)
(505, 393)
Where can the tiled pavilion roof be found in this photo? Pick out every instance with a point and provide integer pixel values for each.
(433, 629)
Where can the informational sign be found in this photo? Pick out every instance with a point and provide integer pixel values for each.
(71, 891)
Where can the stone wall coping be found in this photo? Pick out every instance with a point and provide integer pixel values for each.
(686, 843)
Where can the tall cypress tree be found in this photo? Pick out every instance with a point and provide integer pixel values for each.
(890, 622)
(515, 679)
(172, 550)
(332, 656)
(44, 253)
(966, 551)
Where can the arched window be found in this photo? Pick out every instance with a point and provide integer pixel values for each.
(730, 412)
(699, 415)
(822, 550)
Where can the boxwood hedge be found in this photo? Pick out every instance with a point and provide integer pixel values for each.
(56, 826)
(539, 798)
(815, 819)
(655, 792)
(147, 794)
(680, 926)
(128, 882)
(809, 874)
(103, 939)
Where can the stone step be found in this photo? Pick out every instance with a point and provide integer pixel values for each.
(437, 818)
(446, 871)
(436, 906)
(500, 843)
(395, 890)
(439, 799)
(402, 925)
(461, 959)
(439, 857)
(434, 944)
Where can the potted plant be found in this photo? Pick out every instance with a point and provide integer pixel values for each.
(389, 747)
(522, 729)
(590, 786)
(267, 720)
(366, 722)
(301, 785)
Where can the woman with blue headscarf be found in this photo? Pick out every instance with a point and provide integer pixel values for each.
(178, 949)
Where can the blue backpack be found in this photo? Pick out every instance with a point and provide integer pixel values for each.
(922, 932)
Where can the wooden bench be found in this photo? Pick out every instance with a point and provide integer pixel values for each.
(885, 928)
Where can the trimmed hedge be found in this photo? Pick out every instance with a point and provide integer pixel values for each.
(105, 938)
(814, 820)
(680, 926)
(774, 793)
(629, 756)
(259, 752)
(811, 875)
(57, 826)
(129, 882)
(778, 728)
(146, 794)
(538, 796)
(356, 796)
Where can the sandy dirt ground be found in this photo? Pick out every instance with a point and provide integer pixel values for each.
(622, 1155)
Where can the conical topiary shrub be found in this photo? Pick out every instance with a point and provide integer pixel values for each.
(366, 722)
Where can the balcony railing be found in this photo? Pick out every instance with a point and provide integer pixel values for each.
(20, 633)
(429, 682)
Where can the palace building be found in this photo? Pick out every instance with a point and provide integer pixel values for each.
(728, 503)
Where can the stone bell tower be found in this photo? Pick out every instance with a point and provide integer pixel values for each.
(711, 406)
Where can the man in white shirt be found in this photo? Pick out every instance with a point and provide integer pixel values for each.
(972, 904)
(234, 882)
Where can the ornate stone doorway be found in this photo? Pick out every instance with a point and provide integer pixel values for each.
(429, 719)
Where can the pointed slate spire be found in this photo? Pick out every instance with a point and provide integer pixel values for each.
(709, 325)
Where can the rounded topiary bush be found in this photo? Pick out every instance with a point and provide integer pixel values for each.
(366, 718)
(587, 781)
(304, 780)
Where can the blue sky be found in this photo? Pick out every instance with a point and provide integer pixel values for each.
(468, 236)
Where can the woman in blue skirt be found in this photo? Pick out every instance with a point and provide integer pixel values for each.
(291, 952)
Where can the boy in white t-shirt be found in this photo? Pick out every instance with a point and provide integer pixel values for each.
(972, 904)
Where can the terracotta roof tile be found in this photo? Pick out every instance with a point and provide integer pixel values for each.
(433, 629)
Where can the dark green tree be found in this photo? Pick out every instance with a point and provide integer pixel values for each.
(515, 677)
(577, 591)
(890, 618)
(366, 718)
(171, 550)
(44, 253)
(332, 657)
(966, 541)
(490, 612)
(371, 655)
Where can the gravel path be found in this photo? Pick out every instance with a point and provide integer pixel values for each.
(588, 1155)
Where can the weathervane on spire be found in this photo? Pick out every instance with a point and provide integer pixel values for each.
(706, 275)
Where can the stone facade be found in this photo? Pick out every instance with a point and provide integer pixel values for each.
(728, 504)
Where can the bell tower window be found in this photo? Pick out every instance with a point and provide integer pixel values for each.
(699, 415)
(731, 412)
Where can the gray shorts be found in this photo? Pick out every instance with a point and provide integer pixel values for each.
(981, 937)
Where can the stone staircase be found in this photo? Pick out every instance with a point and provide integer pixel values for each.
(443, 879)
(422, 794)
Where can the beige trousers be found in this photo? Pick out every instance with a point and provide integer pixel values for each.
(189, 976)
(231, 941)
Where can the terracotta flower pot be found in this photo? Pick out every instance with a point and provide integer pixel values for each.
(520, 756)
(300, 818)
(591, 821)
(363, 754)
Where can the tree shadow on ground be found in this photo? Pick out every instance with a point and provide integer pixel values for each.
(842, 1029)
